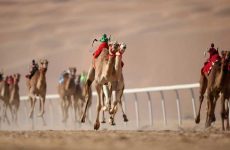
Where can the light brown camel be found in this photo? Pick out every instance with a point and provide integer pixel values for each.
(117, 85)
(67, 93)
(37, 87)
(225, 92)
(14, 100)
(104, 68)
(4, 96)
(212, 85)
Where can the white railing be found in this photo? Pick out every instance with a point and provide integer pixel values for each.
(148, 90)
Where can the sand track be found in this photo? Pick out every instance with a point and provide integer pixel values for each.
(135, 140)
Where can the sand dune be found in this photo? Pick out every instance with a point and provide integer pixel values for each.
(165, 39)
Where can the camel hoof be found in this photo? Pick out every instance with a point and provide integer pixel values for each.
(197, 120)
(82, 119)
(213, 119)
(96, 126)
(125, 118)
(31, 115)
(111, 121)
(103, 121)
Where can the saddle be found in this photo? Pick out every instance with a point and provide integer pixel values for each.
(209, 64)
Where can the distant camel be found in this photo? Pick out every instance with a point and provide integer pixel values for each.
(225, 92)
(67, 93)
(211, 83)
(81, 93)
(4, 96)
(14, 101)
(104, 70)
(37, 87)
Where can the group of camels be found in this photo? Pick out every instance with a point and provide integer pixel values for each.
(108, 77)
(73, 92)
(9, 94)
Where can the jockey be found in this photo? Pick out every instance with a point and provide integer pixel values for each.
(214, 57)
(104, 44)
(33, 69)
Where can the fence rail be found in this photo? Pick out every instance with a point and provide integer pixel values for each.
(148, 90)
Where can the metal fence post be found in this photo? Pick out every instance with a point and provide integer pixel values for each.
(136, 109)
(163, 107)
(150, 109)
(178, 108)
(193, 103)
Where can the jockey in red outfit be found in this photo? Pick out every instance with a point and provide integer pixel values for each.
(214, 57)
(104, 44)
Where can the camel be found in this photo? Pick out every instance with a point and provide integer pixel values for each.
(211, 84)
(104, 70)
(67, 93)
(225, 93)
(118, 86)
(37, 87)
(4, 96)
(14, 100)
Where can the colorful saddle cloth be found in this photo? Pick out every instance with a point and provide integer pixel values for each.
(209, 64)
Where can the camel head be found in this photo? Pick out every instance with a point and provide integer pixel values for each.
(16, 77)
(72, 71)
(122, 48)
(43, 64)
(225, 55)
(113, 47)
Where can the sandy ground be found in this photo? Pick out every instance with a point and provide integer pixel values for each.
(115, 140)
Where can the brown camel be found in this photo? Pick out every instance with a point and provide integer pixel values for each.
(4, 96)
(225, 92)
(212, 85)
(67, 92)
(37, 87)
(104, 68)
(14, 100)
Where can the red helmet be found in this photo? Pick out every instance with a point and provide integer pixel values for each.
(212, 45)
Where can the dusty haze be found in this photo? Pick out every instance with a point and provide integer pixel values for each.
(165, 39)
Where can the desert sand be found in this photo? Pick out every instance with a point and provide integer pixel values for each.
(115, 140)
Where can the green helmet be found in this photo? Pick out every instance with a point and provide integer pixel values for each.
(104, 38)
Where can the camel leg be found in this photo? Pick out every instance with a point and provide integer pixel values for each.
(203, 87)
(123, 112)
(67, 104)
(75, 107)
(63, 108)
(32, 105)
(210, 105)
(227, 114)
(42, 106)
(222, 111)
(103, 112)
(107, 97)
(87, 101)
(97, 122)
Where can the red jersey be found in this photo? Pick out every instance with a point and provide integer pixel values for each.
(100, 48)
